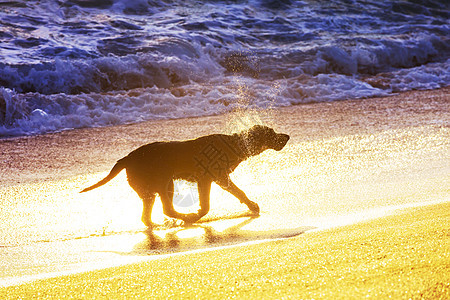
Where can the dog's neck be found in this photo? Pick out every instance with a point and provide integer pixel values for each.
(245, 146)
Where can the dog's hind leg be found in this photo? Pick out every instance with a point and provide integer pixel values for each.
(167, 203)
(168, 209)
(145, 192)
(148, 199)
(204, 190)
(230, 187)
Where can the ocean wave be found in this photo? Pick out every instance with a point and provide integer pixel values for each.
(175, 62)
(82, 63)
(171, 65)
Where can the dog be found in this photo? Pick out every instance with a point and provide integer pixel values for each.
(152, 168)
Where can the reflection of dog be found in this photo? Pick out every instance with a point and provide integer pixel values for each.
(152, 168)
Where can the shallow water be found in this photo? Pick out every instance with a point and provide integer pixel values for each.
(49, 229)
(73, 64)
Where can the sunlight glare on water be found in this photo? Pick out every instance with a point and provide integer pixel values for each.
(119, 204)
(189, 233)
(52, 211)
(309, 184)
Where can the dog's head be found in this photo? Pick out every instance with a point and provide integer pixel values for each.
(260, 138)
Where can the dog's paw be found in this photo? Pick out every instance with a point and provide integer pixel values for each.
(254, 207)
(149, 229)
(190, 218)
(171, 223)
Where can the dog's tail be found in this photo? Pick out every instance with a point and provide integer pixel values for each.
(114, 171)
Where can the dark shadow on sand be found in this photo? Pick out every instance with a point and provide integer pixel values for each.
(205, 235)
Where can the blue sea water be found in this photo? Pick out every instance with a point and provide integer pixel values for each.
(86, 63)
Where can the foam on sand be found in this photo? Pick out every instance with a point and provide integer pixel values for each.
(346, 162)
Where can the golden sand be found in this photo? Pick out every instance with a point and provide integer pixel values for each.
(405, 256)
(400, 256)
(82, 151)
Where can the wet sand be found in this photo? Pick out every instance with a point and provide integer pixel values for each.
(74, 152)
(405, 256)
(347, 161)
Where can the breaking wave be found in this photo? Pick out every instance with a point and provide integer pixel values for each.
(84, 63)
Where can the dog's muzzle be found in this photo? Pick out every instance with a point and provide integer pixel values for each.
(282, 140)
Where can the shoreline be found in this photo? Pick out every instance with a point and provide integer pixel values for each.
(369, 216)
(21, 156)
(414, 274)
(349, 159)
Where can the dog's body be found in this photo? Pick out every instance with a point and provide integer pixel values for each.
(152, 168)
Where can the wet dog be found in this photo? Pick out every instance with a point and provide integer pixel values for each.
(152, 168)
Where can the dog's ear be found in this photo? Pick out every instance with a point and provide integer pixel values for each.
(258, 130)
(256, 139)
(261, 133)
(260, 138)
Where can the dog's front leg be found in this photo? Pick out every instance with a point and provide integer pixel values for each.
(230, 187)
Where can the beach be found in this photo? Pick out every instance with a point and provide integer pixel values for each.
(355, 205)
(405, 256)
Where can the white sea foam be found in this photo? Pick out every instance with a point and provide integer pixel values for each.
(33, 113)
(97, 63)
